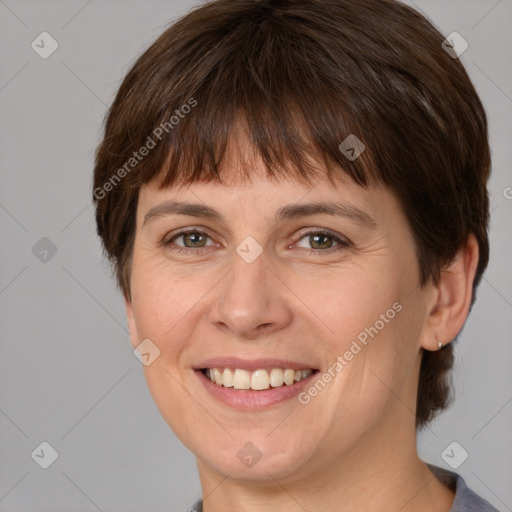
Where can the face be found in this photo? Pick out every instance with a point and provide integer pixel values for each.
(269, 283)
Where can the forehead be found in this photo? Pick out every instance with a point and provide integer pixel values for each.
(268, 200)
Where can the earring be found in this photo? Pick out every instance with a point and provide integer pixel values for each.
(440, 345)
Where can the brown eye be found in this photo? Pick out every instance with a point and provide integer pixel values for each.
(195, 239)
(190, 241)
(323, 241)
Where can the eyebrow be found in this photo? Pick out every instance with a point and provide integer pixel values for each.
(291, 211)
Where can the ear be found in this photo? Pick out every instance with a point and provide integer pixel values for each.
(451, 299)
(134, 337)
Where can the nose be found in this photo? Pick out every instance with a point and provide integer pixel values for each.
(253, 300)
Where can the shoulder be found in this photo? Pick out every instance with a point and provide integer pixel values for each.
(465, 499)
(196, 507)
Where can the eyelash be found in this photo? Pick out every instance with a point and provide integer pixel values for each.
(343, 243)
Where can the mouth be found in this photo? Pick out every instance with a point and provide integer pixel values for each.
(255, 384)
(258, 380)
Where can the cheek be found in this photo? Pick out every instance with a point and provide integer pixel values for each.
(166, 308)
(165, 302)
(375, 321)
(357, 305)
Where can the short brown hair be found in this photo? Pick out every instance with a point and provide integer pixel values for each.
(304, 75)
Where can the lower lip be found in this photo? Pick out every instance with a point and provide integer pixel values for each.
(247, 399)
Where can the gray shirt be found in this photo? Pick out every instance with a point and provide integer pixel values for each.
(465, 499)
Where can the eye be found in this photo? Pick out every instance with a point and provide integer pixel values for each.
(192, 239)
(322, 241)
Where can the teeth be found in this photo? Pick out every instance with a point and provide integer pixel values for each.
(257, 380)
(227, 378)
(218, 376)
(288, 376)
(260, 380)
(276, 377)
(241, 379)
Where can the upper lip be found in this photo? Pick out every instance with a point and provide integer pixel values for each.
(251, 364)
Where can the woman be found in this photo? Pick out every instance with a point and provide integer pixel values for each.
(293, 196)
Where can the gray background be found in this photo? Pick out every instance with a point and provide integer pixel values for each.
(68, 375)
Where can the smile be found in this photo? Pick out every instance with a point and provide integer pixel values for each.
(257, 380)
(254, 389)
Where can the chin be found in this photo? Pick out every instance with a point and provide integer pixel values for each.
(254, 457)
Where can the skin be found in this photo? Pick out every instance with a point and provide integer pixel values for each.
(353, 446)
